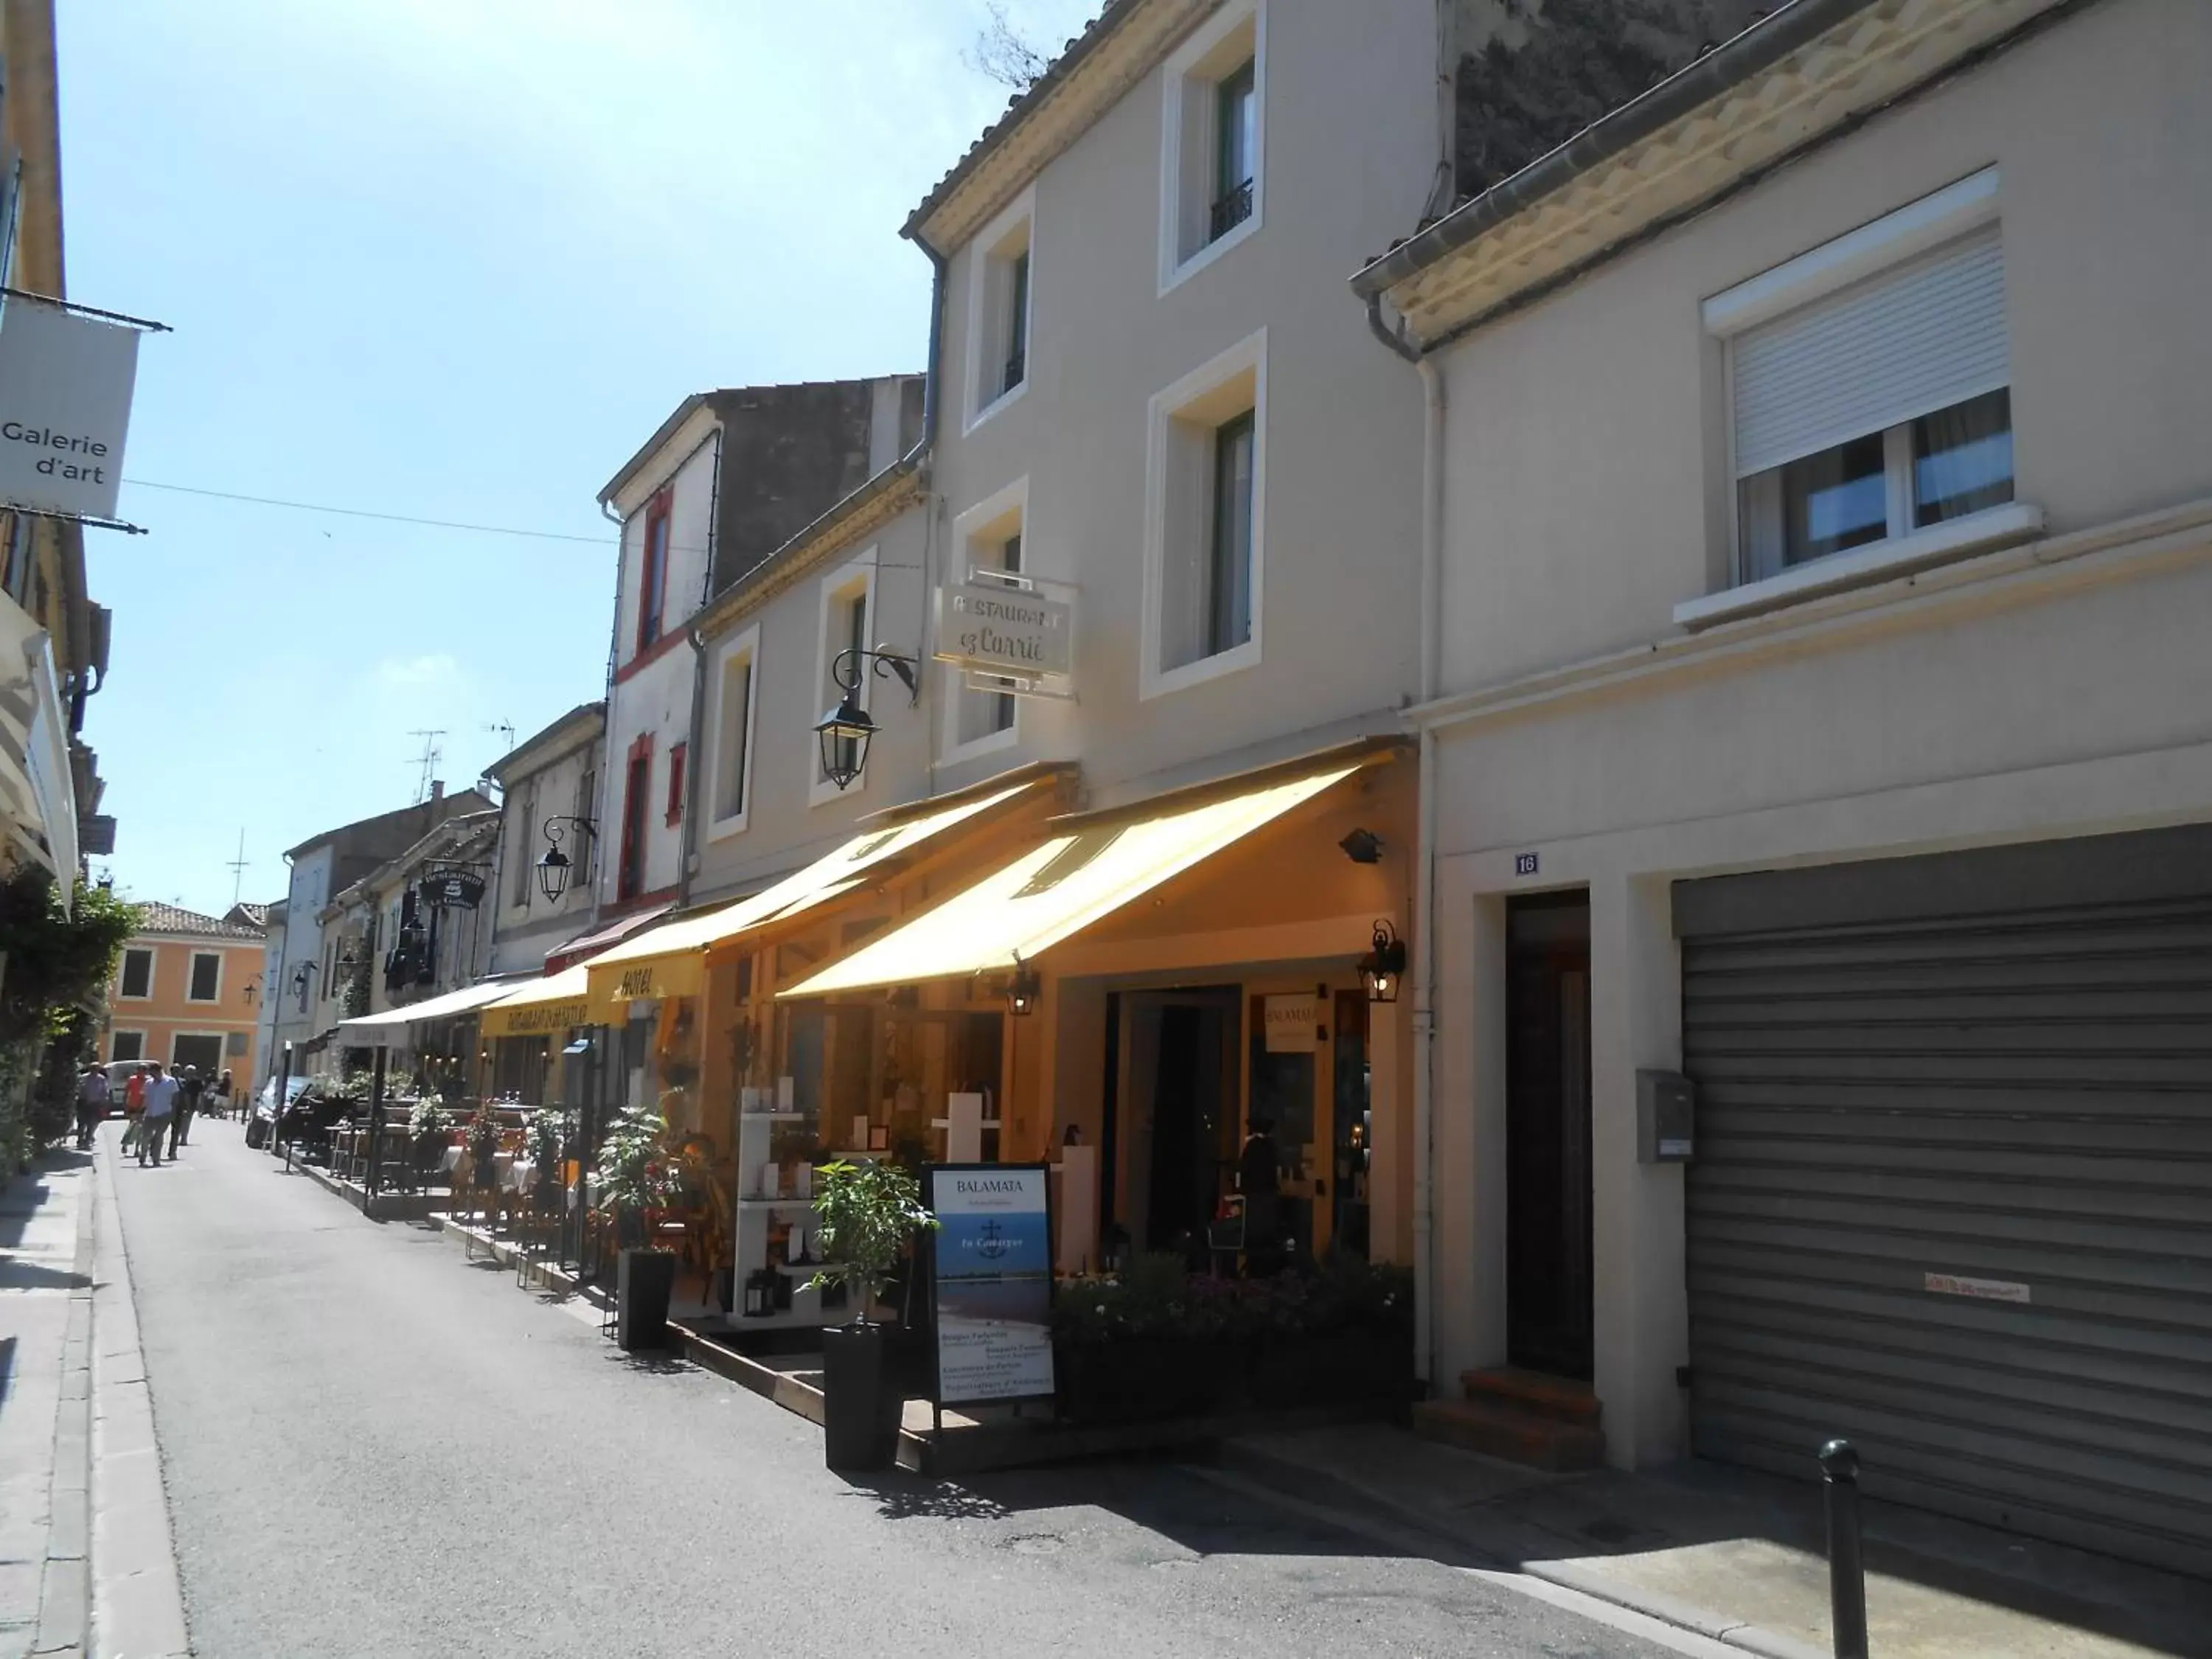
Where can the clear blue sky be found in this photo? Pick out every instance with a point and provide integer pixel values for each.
(456, 259)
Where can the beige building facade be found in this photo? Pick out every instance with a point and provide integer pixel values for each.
(1826, 548)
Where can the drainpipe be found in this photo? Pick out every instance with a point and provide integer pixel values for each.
(1424, 919)
(925, 453)
(689, 840)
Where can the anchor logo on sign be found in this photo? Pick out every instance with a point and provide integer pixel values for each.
(991, 1242)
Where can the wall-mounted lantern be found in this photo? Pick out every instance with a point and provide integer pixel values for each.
(1384, 965)
(846, 731)
(554, 869)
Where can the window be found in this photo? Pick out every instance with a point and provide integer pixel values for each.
(206, 984)
(138, 979)
(1870, 402)
(848, 598)
(678, 754)
(987, 536)
(1213, 142)
(522, 847)
(999, 311)
(653, 569)
(1204, 512)
(1236, 148)
(1229, 566)
(127, 1045)
(630, 869)
(733, 716)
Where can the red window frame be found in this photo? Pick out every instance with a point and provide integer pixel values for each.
(678, 754)
(629, 873)
(652, 570)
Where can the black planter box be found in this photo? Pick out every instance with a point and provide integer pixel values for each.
(861, 1399)
(644, 1282)
(1148, 1379)
(1345, 1368)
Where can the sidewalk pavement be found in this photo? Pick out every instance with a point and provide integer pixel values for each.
(46, 1406)
(87, 1564)
(1732, 1554)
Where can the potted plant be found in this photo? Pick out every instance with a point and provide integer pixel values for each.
(869, 1212)
(547, 1133)
(430, 1130)
(633, 1178)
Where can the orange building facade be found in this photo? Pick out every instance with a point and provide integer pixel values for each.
(187, 991)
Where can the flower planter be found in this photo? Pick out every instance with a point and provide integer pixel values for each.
(644, 1282)
(1343, 1368)
(862, 1400)
(1147, 1379)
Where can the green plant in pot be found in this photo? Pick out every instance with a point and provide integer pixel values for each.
(869, 1213)
(547, 1133)
(430, 1119)
(633, 1177)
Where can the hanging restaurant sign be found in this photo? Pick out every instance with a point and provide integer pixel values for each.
(453, 890)
(993, 1281)
(65, 387)
(990, 628)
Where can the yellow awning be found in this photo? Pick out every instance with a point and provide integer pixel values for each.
(1057, 890)
(670, 960)
(544, 1007)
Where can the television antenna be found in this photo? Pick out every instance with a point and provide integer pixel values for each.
(238, 866)
(432, 752)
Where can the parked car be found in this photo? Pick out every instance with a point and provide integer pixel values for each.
(118, 1073)
(264, 1119)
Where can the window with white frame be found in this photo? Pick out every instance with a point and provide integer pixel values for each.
(206, 984)
(731, 778)
(1213, 140)
(1205, 515)
(998, 289)
(525, 825)
(1870, 389)
(136, 979)
(848, 616)
(987, 536)
(127, 1045)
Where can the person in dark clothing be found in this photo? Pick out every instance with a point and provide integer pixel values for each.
(190, 1088)
(1260, 1178)
(92, 1098)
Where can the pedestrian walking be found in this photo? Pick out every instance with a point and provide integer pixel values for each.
(161, 1107)
(134, 1107)
(92, 1098)
(192, 1089)
(220, 1098)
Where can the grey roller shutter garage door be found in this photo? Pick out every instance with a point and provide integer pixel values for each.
(1953, 1196)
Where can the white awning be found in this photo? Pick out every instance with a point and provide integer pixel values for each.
(38, 797)
(394, 1026)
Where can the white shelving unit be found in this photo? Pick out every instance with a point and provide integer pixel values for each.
(756, 1216)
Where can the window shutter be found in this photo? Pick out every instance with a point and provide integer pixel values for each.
(1902, 344)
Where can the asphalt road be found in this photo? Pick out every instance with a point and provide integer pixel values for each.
(373, 1448)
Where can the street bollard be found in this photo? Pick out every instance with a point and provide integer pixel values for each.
(1839, 1468)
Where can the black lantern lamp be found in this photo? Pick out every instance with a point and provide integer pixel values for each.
(1022, 996)
(846, 730)
(554, 869)
(1383, 966)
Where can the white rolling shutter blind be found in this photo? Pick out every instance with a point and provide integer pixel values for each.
(1900, 345)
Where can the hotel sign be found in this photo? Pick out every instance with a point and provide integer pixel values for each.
(988, 628)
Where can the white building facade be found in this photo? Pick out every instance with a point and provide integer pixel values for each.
(1826, 546)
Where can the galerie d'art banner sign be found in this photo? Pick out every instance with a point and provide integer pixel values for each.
(994, 1257)
(65, 386)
